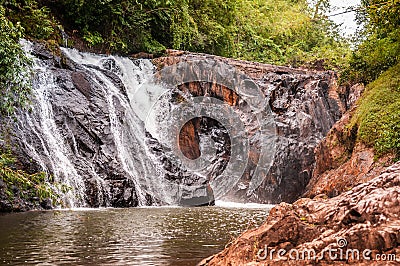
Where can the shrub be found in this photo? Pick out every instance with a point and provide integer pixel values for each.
(378, 46)
(28, 185)
(378, 114)
(15, 82)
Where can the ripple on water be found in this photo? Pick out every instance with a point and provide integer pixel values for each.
(135, 236)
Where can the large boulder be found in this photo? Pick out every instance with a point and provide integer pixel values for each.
(365, 219)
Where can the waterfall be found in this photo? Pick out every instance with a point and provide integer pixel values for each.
(107, 129)
(53, 154)
(86, 131)
(130, 136)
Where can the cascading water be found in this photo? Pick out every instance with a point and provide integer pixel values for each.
(105, 128)
(85, 130)
(40, 121)
(115, 131)
(130, 134)
(56, 151)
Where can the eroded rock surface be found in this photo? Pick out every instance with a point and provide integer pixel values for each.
(305, 105)
(88, 105)
(366, 217)
(342, 162)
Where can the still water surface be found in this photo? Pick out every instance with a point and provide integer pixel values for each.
(136, 236)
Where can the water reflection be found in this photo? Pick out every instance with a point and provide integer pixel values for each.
(137, 236)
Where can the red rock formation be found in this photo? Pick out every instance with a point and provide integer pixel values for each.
(366, 217)
(212, 90)
(189, 135)
(342, 162)
(189, 139)
(305, 105)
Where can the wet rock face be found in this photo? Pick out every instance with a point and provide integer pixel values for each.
(194, 189)
(341, 162)
(304, 112)
(81, 112)
(366, 217)
(305, 105)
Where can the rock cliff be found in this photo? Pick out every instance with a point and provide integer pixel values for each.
(305, 105)
(83, 132)
(342, 162)
(359, 227)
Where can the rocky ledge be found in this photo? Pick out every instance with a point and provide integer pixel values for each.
(305, 104)
(360, 226)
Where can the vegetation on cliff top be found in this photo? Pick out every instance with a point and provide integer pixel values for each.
(273, 31)
(376, 60)
(378, 43)
(377, 118)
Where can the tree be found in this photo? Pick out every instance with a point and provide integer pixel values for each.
(379, 42)
(15, 83)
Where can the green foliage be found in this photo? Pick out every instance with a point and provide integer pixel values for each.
(278, 32)
(272, 31)
(378, 114)
(373, 57)
(93, 39)
(210, 27)
(15, 83)
(284, 32)
(35, 20)
(117, 26)
(383, 15)
(376, 61)
(28, 185)
(379, 42)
